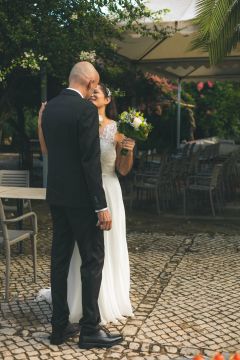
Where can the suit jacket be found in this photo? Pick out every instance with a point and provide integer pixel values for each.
(71, 131)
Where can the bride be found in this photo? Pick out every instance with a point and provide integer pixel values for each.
(114, 302)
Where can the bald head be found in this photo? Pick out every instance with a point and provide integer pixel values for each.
(83, 72)
(84, 78)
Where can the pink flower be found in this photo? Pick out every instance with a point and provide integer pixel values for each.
(163, 83)
(200, 86)
(210, 84)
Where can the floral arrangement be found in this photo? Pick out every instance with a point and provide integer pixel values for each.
(132, 124)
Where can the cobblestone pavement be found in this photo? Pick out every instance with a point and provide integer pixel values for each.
(185, 292)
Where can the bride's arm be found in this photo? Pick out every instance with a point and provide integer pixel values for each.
(124, 163)
(40, 132)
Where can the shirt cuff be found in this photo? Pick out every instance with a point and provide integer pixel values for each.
(101, 210)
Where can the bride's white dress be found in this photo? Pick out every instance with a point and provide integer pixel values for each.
(114, 302)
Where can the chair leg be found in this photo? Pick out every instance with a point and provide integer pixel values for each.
(138, 193)
(34, 254)
(211, 202)
(7, 276)
(184, 201)
(29, 205)
(131, 198)
(20, 223)
(131, 204)
(157, 200)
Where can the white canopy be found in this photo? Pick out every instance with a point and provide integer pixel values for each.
(180, 10)
(172, 57)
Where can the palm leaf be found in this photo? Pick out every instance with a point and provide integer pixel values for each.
(204, 10)
(219, 32)
(220, 14)
(221, 47)
(226, 17)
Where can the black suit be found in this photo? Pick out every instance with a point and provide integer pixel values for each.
(74, 191)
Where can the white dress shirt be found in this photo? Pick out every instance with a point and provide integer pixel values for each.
(76, 91)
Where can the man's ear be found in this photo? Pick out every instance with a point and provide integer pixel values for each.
(89, 84)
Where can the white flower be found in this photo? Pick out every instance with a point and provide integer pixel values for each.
(88, 56)
(137, 122)
(74, 16)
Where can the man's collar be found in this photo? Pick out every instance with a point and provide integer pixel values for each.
(76, 91)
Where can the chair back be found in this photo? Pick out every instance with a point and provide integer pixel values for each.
(215, 175)
(14, 178)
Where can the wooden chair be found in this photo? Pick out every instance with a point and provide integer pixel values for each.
(10, 237)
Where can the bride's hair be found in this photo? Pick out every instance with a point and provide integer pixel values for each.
(111, 108)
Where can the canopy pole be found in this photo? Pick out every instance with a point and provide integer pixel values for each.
(179, 112)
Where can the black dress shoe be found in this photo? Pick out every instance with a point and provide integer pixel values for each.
(99, 339)
(59, 336)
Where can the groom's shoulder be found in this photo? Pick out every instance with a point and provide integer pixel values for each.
(75, 100)
(88, 104)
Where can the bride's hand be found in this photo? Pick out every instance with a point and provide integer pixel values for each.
(128, 144)
(40, 113)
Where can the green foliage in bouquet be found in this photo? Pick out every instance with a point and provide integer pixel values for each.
(133, 125)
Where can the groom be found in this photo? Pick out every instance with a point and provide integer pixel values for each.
(78, 205)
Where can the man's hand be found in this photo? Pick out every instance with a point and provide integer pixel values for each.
(104, 220)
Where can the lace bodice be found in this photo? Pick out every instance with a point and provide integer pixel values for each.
(108, 148)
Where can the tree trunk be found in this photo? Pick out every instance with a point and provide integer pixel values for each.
(26, 161)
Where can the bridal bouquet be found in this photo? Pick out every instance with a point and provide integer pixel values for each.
(132, 124)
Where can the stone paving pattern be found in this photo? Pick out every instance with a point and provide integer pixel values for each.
(185, 291)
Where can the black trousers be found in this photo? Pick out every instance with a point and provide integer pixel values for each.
(70, 225)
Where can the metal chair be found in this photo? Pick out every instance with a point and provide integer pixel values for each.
(12, 178)
(147, 185)
(204, 184)
(10, 237)
(15, 178)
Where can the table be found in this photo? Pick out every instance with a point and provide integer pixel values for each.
(22, 193)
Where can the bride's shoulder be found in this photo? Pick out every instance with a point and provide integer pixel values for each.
(112, 125)
(112, 122)
(118, 137)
